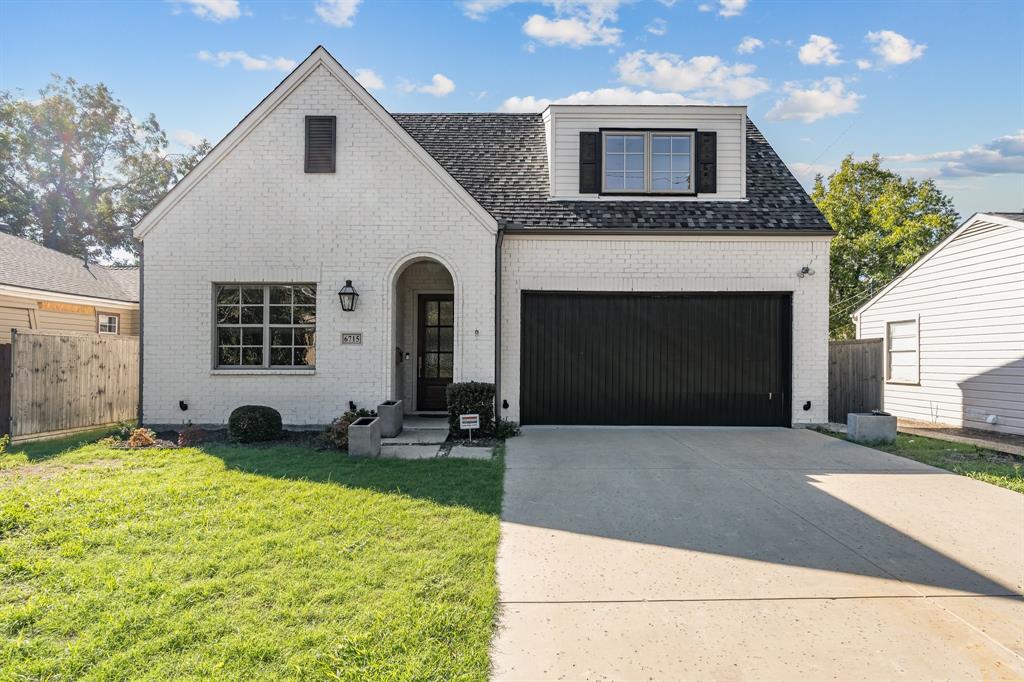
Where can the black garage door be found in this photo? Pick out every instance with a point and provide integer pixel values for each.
(694, 359)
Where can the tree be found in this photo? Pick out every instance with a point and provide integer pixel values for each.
(884, 223)
(77, 170)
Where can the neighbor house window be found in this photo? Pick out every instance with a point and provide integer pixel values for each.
(649, 162)
(265, 326)
(901, 339)
(108, 323)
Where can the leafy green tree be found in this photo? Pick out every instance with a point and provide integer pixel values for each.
(77, 170)
(884, 223)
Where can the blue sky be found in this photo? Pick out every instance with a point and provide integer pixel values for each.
(935, 87)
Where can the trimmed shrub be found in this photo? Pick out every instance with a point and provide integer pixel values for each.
(336, 434)
(142, 438)
(122, 431)
(506, 429)
(471, 397)
(252, 423)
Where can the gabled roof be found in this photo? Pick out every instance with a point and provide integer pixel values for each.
(28, 265)
(502, 160)
(1015, 220)
(320, 57)
(496, 165)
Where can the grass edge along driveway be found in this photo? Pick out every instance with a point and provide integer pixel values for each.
(1003, 470)
(241, 562)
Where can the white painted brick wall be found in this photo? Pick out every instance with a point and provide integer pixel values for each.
(727, 263)
(257, 217)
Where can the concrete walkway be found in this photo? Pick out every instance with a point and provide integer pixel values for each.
(713, 553)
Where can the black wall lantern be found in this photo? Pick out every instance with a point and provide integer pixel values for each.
(348, 296)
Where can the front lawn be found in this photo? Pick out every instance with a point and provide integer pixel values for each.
(1006, 471)
(232, 562)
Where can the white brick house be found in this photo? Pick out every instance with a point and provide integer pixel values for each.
(516, 249)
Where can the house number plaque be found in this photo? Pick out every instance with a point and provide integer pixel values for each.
(351, 338)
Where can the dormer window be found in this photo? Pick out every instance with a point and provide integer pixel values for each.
(648, 161)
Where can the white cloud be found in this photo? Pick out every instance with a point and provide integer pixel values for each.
(575, 23)
(863, 64)
(658, 27)
(667, 3)
(440, 85)
(215, 10)
(369, 79)
(339, 13)
(1004, 154)
(248, 62)
(748, 45)
(186, 138)
(731, 8)
(572, 31)
(726, 8)
(601, 96)
(824, 98)
(819, 50)
(894, 48)
(479, 9)
(704, 76)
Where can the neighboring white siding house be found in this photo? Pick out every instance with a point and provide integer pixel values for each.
(953, 326)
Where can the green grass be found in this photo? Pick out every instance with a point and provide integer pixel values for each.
(234, 562)
(969, 460)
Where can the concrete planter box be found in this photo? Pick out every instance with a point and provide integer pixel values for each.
(364, 437)
(390, 413)
(870, 428)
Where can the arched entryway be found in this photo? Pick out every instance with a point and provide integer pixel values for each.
(425, 334)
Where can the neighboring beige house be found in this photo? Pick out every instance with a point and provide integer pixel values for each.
(45, 289)
(953, 325)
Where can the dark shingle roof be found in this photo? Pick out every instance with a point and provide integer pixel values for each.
(24, 263)
(501, 159)
(1019, 217)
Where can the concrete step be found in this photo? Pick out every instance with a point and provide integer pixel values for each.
(471, 452)
(416, 422)
(409, 451)
(418, 437)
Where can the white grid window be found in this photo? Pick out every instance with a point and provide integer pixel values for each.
(647, 162)
(671, 157)
(624, 163)
(108, 323)
(901, 346)
(268, 326)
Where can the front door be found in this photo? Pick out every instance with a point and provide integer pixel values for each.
(436, 350)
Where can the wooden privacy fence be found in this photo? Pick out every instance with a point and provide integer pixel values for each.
(60, 383)
(854, 377)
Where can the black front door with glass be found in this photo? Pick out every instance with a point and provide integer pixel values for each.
(436, 350)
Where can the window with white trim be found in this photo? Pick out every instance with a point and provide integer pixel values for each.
(108, 323)
(648, 162)
(901, 347)
(265, 326)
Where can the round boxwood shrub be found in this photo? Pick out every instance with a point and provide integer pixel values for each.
(471, 397)
(251, 423)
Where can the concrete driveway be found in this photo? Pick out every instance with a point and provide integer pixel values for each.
(715, 553)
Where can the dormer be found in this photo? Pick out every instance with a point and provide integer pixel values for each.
(628, 152)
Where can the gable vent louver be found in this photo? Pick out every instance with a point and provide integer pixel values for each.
(321, 143)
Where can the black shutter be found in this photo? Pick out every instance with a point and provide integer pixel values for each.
(321, 143)
(707, 161)
(590, 163)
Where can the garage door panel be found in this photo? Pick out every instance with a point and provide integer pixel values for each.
(600, 358)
